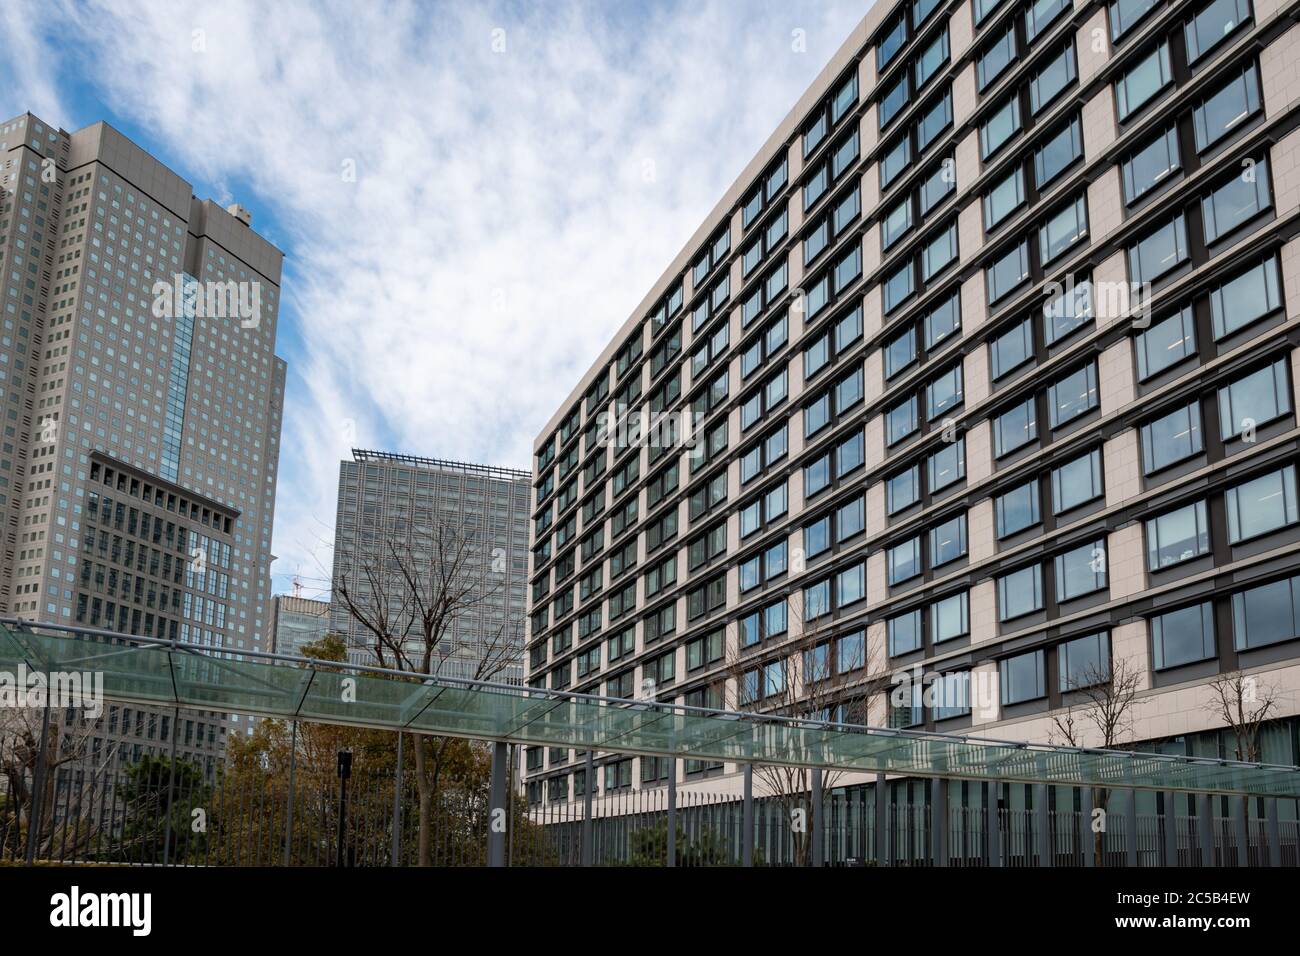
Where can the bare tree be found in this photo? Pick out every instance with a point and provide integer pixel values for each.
(810, 676)
(1244, 703)
(410, 596)
(67, 746)
(1101, 712)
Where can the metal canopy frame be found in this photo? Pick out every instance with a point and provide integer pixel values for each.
(149, 671)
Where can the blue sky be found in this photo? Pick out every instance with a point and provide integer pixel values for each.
(523, 174)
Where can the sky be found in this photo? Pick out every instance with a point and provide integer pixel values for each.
(471, 197)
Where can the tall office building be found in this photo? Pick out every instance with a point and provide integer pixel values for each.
(142, 403)
(989, 362)
(396, 512)
(295, 622)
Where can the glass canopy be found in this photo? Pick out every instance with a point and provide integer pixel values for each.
(289, 688)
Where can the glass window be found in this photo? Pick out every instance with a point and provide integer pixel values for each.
(1215, 22)
(1226, 108)
(845, 153)
(1059, 152)
(1165, 344)
(817, 536)
(904, 633)
(1012, 348)
(1004, 198)
(850, 519)
(1245, 298)
(1022, 678)
(1266, 615)
(898, 287)
(1174, 437)
(931, 59)
(1069, 311)
(900, 351)
(893, 101)
(1236, 202)
(846, 210)
(1017, 509)
(942, 321)
(948, 541)
(1000, 127)
(895, 160)
(983, 8)
(1007, 273)
(890, 43)
(1177, 536)
(904, 561)
(921, 10)
(1262, 505)
(949, 618)
(1066, 226)
(901, 420)
(845, 97)
(1080, 571)
(1183, 636)
(938, 253)
(1159, 251)
(903, 490)
(933, 121)
(1140, 84)
(1254, 399)
(1015, 428)
(947, 465)
(850, 585)
(1020, 592)
(1073, 395)
(944, 392)
(1150, 165)
(896, 223)
(996, 57)
(1047, 83)
(1125, 14)
(1040, 13)
(1077, 482)
(1084, 661)
(937, 185)
(951, 695)
(851, 652)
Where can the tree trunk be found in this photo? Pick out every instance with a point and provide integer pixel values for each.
(425, 854)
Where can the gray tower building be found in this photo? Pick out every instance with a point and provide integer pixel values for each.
(398, 501)
(142, 403)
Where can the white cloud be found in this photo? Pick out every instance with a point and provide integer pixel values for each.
(499, 229)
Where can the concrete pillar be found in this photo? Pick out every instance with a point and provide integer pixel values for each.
(588, 796)
(939, 820)
(1043, 826)
(672, 812)
(883, 855)
(993, 823)
(747, 819)
(1086, 837)
(1241, 835)
(817, 850)
(1205, 827)
(497, 807)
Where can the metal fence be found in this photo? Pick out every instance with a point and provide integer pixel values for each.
(164, 812)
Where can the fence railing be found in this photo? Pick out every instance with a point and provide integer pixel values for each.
(159, 813)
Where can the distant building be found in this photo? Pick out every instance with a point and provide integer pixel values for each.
(388, 500)
(142, 399)
(296, 622)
